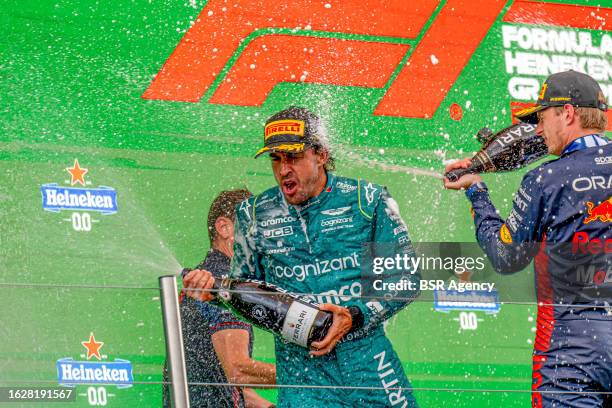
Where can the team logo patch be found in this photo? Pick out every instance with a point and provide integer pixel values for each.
(246, 206)
(601, 212)
(603, 160)
(504, 234)
(369, 192)
(336, 211)
(278, 232)
(345, 187)
(330, 222)
(276, 221)
(284, 127)
(400, 229)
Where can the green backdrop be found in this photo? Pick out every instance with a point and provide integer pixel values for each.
(72, 76)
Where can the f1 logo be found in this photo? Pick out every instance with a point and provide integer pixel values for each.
(418, 79)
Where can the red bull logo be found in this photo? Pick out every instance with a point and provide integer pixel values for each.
(603, 211)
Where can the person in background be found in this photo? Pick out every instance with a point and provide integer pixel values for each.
(218, 345)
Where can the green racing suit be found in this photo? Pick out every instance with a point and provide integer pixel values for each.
(316, 248)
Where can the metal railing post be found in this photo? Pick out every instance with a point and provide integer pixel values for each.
(174, 341)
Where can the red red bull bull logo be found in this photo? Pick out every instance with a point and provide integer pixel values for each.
(601, 212)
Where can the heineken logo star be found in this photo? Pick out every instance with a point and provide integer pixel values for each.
(77, 173)
(93, 347)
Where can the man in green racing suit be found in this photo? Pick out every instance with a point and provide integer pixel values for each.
(307, 236)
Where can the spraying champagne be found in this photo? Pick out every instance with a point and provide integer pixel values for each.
(271, 308)
(509, 149)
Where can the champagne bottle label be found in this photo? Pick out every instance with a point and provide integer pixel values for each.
(298, 322)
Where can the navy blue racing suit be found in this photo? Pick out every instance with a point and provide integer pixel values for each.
(561, 217)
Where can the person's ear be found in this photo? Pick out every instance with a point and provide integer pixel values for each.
(322, 157)
(223, 227)
(569, 113)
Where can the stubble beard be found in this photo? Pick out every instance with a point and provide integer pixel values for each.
(305, 192)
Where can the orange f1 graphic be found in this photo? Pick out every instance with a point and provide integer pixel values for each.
(280, 41)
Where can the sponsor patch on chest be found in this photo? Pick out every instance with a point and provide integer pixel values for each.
(278, 232)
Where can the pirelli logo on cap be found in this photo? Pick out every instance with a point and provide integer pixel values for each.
(284, 127)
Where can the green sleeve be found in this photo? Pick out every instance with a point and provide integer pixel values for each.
(390, 239)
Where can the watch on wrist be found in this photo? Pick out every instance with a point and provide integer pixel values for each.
(357, 317)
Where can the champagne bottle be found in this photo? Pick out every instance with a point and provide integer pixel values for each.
(272, 308)
(509, 149)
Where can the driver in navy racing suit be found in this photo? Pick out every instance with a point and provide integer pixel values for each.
(561, 217)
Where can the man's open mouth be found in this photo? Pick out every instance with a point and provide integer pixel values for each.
(289, 187)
